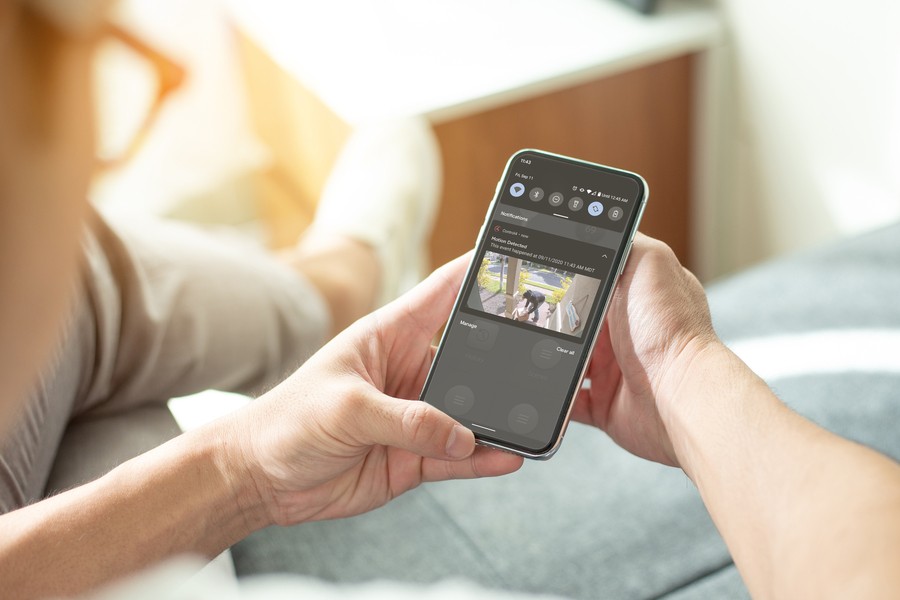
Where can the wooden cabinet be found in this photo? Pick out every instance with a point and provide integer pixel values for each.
(639, 120)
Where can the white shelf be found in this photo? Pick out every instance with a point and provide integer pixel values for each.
(448, 58)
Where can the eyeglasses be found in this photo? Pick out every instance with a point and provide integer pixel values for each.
(132, 82)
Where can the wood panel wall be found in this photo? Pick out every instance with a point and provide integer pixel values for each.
(639, 121)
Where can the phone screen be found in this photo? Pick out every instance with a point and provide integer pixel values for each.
(514, 350)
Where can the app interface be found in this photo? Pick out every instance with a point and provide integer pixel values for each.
(513, 349)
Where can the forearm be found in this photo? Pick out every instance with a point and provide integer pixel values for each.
(179, 498)
(804, 513)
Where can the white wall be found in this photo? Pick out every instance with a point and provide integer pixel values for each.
(814, 131)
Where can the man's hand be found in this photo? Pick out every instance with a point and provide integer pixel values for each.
(805, 513)
(346, 433)
(657, 323)
(343, 435)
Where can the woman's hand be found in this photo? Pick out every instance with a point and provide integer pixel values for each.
(346, 433)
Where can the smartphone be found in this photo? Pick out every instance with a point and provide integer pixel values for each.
(516, 347)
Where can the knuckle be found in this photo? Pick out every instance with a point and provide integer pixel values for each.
(416, 421)
(654, 247)
(349, 407)
(352, 403)
(664, 252)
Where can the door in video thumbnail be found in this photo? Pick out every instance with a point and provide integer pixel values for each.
(533, 294)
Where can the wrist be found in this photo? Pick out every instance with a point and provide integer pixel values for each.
(705, 379)
(237, 469)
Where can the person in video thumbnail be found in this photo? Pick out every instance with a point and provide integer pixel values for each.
(533, 301)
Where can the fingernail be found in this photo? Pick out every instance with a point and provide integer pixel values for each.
(458, 444)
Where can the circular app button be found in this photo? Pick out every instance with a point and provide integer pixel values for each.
(522, 419)
(459, 400)
(544, 355)
(517, 189)
(556, 199)
(483, 336)
(595, 209)
(536, 195)
(616, 213)
(576, 203)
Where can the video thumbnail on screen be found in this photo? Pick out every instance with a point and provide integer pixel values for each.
(533, 294)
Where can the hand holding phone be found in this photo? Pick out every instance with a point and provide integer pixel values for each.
(515, 350)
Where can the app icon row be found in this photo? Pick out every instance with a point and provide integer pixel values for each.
(595, 209)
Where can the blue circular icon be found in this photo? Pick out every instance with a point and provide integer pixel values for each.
(517, 189)
(595, 209)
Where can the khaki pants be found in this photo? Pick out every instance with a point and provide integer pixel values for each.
(162, 310)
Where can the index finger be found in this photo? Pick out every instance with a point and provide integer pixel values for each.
(428, 305)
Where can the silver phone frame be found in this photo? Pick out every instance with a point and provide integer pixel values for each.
(546, 455)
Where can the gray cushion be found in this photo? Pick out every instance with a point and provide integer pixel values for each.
(592, 522)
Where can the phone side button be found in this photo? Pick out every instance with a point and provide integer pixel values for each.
(487, 213)
(625, 258)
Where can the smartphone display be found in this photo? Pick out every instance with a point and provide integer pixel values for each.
(515, 348)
